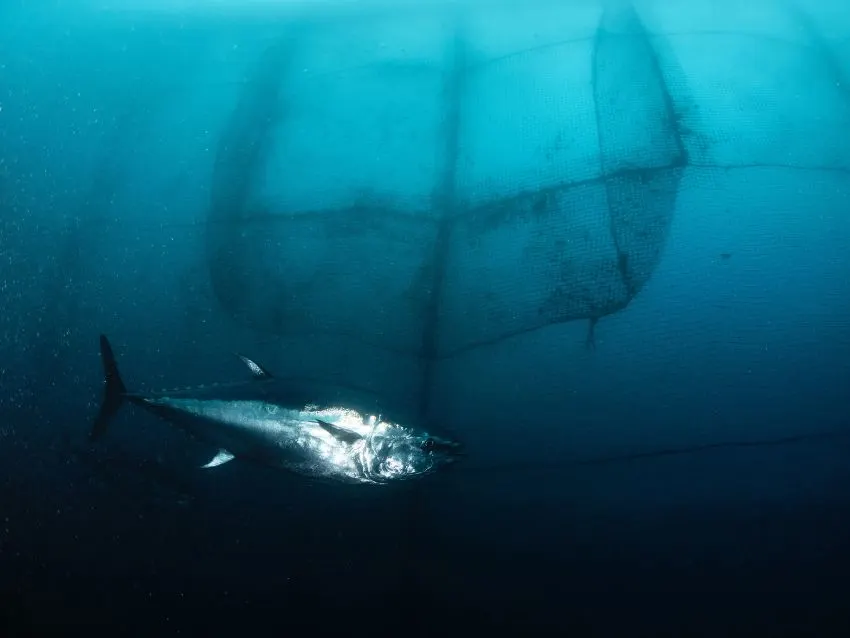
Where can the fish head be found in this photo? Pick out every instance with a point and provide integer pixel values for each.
(403, 453)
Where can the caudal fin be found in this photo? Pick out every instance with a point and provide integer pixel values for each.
(113, 392)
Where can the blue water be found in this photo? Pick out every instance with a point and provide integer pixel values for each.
(433, 201)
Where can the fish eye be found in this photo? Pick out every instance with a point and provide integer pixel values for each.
(428, 445)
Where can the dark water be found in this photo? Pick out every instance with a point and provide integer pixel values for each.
(437, 213)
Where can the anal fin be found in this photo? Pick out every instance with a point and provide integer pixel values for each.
(222, 457)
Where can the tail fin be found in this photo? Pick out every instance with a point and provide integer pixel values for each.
(114, 390)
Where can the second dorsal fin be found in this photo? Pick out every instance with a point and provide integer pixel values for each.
(258, 371)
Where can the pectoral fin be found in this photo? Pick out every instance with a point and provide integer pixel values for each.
(340, 434)
(222, 457)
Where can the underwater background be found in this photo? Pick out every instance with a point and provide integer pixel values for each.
(604, 244)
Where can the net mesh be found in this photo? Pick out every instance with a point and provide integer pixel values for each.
(494, 192)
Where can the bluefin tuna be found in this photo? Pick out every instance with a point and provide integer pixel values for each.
(337, 436)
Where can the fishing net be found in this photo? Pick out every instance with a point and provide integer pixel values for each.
(429, 196)
(579, 242)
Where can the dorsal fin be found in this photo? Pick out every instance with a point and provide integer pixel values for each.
(340, 434)
(258, 371)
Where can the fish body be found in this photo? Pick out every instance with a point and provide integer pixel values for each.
(323, 434)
